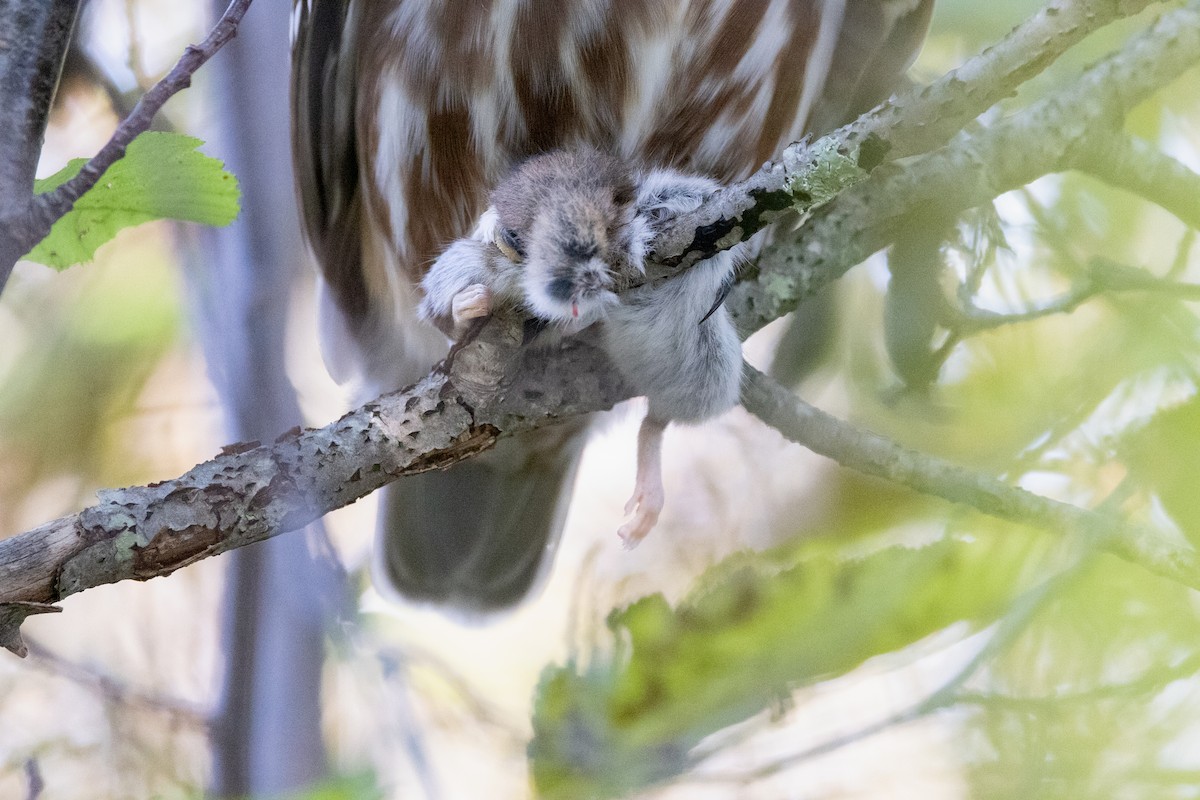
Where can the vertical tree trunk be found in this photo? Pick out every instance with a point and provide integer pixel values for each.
(32, 47)
(267, 737)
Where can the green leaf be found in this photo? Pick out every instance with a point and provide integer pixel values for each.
(752, 631)
(161, 176)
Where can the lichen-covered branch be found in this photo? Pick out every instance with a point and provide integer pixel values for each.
(251, 492)
(971, 170)
(911, 122)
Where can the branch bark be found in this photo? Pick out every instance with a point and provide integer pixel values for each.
(252, 492)
(1132, 164)
(487, 388)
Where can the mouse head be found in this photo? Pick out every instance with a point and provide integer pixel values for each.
(568, 217)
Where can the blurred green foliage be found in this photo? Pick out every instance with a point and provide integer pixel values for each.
(1098, 698)
(754, 628)
(356, 786)
(80, 350)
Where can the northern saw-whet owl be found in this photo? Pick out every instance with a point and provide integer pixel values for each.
(409, 112)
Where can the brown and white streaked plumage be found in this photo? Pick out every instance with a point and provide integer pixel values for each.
(408, 110)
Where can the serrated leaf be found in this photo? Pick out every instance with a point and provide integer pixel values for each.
(750, 634)
(161, 176)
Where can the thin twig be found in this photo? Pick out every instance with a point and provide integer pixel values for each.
(1101, 278)
(114, 690)
(1153, 680)
(1182, 254)
(45, 209)
(1130, 163)
(135, 56)
(411, 655)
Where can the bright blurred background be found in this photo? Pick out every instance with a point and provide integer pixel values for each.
(1094, 694)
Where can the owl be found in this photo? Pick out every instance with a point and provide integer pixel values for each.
(408, 112)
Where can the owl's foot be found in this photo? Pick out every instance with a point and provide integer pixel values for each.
(471, 303)
(648, 496)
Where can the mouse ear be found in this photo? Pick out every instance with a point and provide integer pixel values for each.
(663, 193)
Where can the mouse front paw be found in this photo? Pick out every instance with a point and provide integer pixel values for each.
(471, 303)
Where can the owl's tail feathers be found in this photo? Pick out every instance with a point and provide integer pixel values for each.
(478, 537)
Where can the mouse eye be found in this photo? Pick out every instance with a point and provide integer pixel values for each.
(508, 244)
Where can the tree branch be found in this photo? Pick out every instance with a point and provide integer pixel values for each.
(28, 222)
(32, 49)
(970, 171)
(251, 492)
(1099, 277)
(114, 690)
(911, 122)
(876, 455)
(1130, 163)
